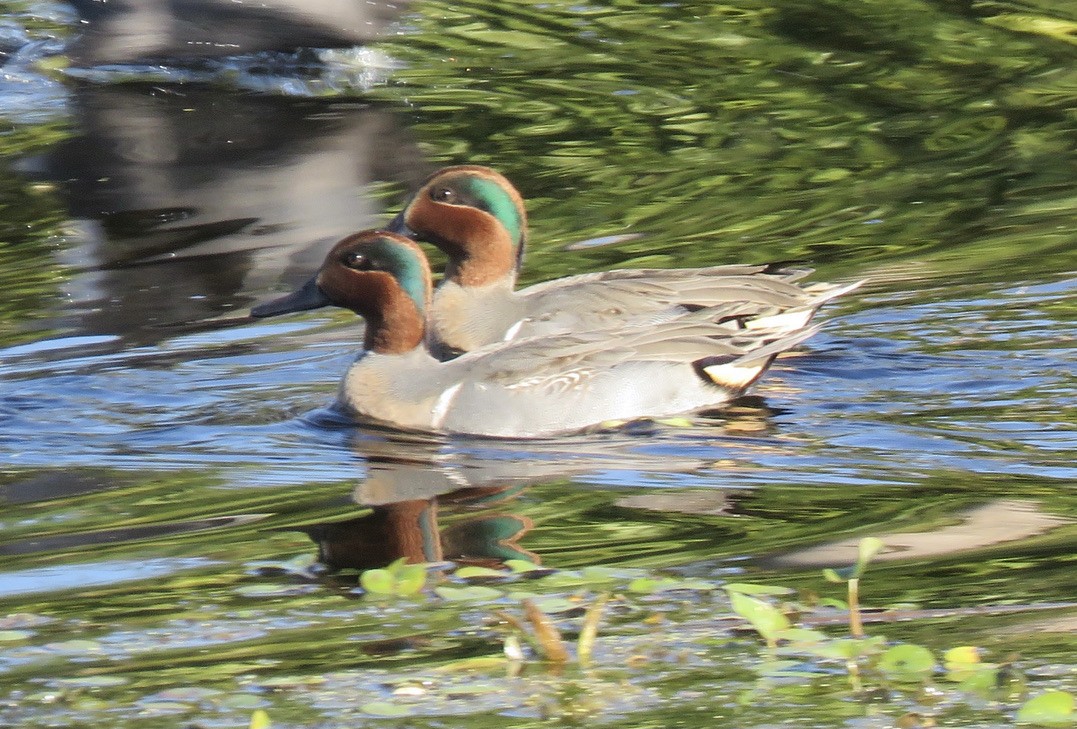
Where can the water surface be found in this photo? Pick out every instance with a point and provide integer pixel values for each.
(170, 471)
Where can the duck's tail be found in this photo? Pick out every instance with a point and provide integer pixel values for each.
(791, 320)
(737, 372)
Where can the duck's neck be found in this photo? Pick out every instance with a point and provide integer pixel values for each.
(481, 250)
(482, 265)
(397, 326)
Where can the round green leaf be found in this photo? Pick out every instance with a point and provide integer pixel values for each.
(522, 565)
(1053, 708)
(410, 579)
(380, 582)
(473, 592)
(907, 662)
(763, 616)
(242, 701)
(964, 655)
(260, 719)
(847, 649)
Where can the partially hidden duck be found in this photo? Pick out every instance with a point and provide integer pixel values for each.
(534, 387)
(477, 218)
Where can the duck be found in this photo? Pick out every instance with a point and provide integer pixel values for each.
(477, 217)
(536, 387)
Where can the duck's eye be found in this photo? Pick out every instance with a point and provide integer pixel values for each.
(444, 195)
(357, 261)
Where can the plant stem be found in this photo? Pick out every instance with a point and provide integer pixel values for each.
(856, 627)
(854, 675)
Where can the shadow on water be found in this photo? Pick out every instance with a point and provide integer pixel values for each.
(182, 526)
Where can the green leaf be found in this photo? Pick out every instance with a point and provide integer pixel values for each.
(869, 547)
(380, 582)
(563, 579)
(649, 585)
(397, 565)
(746, 588)
(960, 656)
(983, 678)
(385, 708)
(764, 617)
(399, 578)
(187, 694)
(600, 573)
(522, 565)
(803, 637)
(554, 604)
(472, 592)
(410, 579)
(963, 662)
(1053, 708)
(241, 701)
(843, 575)
(907, 661)
(849, 649)
(478, 663)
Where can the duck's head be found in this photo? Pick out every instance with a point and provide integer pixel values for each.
(382, 276)
(473, 214)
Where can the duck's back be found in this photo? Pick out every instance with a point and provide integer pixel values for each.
(466, 318)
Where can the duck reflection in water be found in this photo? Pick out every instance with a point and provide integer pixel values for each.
(155, 30)
(410, 483)
(183, 198)
(410, 529)
(434, 499)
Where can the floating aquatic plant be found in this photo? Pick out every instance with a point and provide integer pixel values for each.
(399, 578)
(1052, 708)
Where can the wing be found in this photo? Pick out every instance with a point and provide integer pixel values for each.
(613, 298)
(553, 365)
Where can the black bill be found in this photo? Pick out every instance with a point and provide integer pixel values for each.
(306, 298)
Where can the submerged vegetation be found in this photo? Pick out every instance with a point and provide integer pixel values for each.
(609, 645)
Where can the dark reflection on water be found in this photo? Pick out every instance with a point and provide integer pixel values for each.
(185, 198)
(151, 30)
(410, 484)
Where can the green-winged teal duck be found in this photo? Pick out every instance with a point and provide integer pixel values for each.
(532, 387)
(477, 217)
